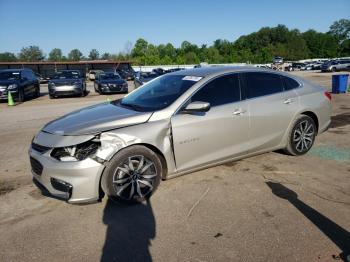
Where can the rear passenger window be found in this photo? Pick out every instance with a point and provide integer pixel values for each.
(220, 91)
(289, 83)
(261, 84)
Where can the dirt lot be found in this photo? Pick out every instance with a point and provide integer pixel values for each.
(270, 207)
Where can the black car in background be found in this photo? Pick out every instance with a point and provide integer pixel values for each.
(66, 83)
(22, 83)
(110, 82)
(143, 77)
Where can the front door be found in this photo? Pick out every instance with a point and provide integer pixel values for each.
(220, 133)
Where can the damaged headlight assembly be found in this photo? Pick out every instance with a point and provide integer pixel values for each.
(77, 152)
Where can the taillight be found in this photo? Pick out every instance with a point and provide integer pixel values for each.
(328, 95)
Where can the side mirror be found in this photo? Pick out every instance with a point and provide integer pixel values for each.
(197, 107)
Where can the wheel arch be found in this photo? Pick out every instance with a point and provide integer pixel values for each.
(313, 117)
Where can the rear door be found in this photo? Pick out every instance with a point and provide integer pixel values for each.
(220, 133)
(271, 107)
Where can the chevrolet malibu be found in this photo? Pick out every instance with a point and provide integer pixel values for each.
(173, 125)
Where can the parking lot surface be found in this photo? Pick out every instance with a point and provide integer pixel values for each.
(270, 207)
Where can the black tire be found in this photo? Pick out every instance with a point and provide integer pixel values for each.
(302, 135)
(132, 186)
(21, 97)
(334, 69)
(52, 97)
(37, 92)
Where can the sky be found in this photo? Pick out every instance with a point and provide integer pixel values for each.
(108, 25)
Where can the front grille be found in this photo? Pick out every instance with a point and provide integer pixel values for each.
(37, 167)
(39, 148)
(65, 93)
(115, 87)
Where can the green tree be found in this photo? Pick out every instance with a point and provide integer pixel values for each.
(94, 54)
(8, 57)
(191, 58)
(340, 29)
(31, 54)
(75, 55)
(106, 56)
(320, 44)
(55, 55)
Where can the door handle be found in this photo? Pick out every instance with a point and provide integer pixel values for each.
(288, 101)
(238, 112)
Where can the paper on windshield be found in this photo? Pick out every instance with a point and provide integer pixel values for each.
(192, 78)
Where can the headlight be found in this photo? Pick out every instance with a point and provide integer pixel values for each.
(51, 84)
(12, 87)
(104, 85)
(77, 152)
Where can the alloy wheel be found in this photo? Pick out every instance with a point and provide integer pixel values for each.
(134, 178)
(303, 136)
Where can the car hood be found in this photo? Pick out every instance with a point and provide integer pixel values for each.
(96, 119)
(113, 81)
(7, 82)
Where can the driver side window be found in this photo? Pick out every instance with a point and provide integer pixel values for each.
(220, 91)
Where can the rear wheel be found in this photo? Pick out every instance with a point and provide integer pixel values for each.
(302, 136)
(132, 175)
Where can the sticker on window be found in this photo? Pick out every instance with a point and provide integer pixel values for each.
(192, 78)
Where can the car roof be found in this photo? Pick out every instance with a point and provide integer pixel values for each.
(213, 70)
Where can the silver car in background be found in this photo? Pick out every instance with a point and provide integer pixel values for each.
(67, 82)
(173, 125)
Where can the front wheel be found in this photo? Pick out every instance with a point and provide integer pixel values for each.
(132, 175)
(21, 96)
(302, 136)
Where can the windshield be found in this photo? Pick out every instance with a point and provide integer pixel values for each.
(9, 75)
(109, 76)
(159, 93)
(66, 75)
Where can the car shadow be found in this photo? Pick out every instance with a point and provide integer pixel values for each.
(129, 232)
(340, 120)
(334, 232)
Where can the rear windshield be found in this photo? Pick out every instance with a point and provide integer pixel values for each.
(9, 75)
(159, 93)
(66, 75)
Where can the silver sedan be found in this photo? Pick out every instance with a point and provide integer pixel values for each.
(173, 125)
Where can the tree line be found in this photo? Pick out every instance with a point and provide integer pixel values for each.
(257, 47)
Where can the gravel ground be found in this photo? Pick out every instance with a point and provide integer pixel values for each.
(271, 207)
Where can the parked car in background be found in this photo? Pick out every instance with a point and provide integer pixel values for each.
(41, 79)
(67, 83)
(92, 74)
(159, 71)
(335, 65)
(176, 124)
(110, 82)
(21, 83)
(143, 77)
(126, 74)
(277, 60)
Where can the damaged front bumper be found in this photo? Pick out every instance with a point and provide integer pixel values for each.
(73, 181)
(76, 182)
